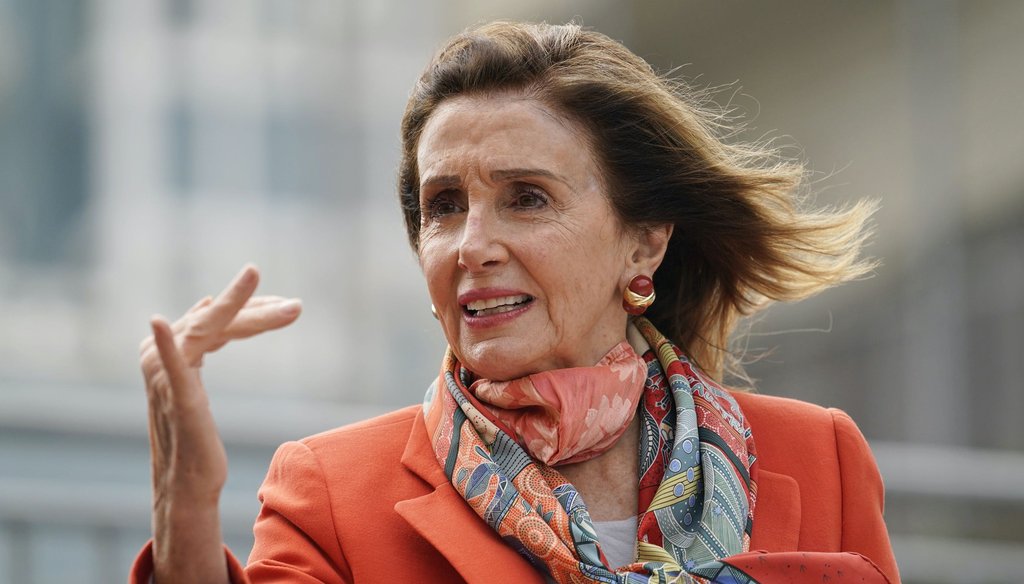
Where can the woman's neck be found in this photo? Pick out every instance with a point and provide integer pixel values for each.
(609, 483)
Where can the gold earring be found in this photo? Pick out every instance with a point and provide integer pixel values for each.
(434, 312)
(638, 295)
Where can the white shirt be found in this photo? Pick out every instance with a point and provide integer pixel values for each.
(618, 540)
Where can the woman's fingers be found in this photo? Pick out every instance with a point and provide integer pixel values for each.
(261, 300)
(174, 364)
(269, 313)
(258, 319)
(212, 322)
(232, 299)
(203, 303)
(252, 321)
(180, 324)
(203, 329)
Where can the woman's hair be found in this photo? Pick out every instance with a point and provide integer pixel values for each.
(741, 239)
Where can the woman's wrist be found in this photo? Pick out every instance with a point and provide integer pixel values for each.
(187, 543)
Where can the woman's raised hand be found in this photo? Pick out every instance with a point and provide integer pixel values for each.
(189, 462)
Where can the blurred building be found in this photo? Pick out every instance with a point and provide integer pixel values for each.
(149, 148)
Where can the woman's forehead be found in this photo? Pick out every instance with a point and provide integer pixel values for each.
(501, 133)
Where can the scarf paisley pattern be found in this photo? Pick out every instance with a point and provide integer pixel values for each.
(697, 488)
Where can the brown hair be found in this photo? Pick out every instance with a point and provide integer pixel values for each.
(741, 239)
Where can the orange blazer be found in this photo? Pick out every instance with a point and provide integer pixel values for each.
(369, 503)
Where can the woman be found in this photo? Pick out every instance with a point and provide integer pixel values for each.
(551, 182)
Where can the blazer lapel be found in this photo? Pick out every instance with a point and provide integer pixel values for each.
(444, 520)
(777, 513)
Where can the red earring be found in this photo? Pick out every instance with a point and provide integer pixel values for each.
(639, 294)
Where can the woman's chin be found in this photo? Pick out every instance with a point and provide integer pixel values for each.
(500, 359)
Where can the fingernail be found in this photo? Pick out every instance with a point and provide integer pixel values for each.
(291, 307)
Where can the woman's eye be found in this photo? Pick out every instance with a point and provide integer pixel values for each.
(440, 206)
(530, 199)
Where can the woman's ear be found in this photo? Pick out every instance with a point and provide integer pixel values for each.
(651, 244)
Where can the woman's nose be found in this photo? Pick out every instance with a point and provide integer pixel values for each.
(481, 246)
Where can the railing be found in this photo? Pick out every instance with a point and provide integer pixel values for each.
(955, 476)
(75, 500)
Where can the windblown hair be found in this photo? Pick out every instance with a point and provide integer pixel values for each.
(742, 238)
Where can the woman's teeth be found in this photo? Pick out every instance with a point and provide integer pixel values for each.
(496, 305)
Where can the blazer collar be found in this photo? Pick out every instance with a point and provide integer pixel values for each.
(443, 519)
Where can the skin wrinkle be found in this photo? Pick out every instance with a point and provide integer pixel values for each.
(502, 175)
(532, 97)
(527, 99)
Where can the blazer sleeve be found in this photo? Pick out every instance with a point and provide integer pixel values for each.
(863, 527)
(295, 537)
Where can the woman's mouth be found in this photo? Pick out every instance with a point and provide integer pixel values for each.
(499, 305)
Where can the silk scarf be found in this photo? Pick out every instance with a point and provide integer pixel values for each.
(697, 488)
(567, 415)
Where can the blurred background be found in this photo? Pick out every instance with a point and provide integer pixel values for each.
(149, 148)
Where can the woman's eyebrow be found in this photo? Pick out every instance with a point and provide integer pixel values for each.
(517, 173)
(446, 181)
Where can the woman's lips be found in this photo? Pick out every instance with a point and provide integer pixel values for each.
(495, 305)
(486, 308)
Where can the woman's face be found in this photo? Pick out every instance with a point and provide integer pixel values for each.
(524, 258)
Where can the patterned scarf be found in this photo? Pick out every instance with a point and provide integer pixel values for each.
(697, 486)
